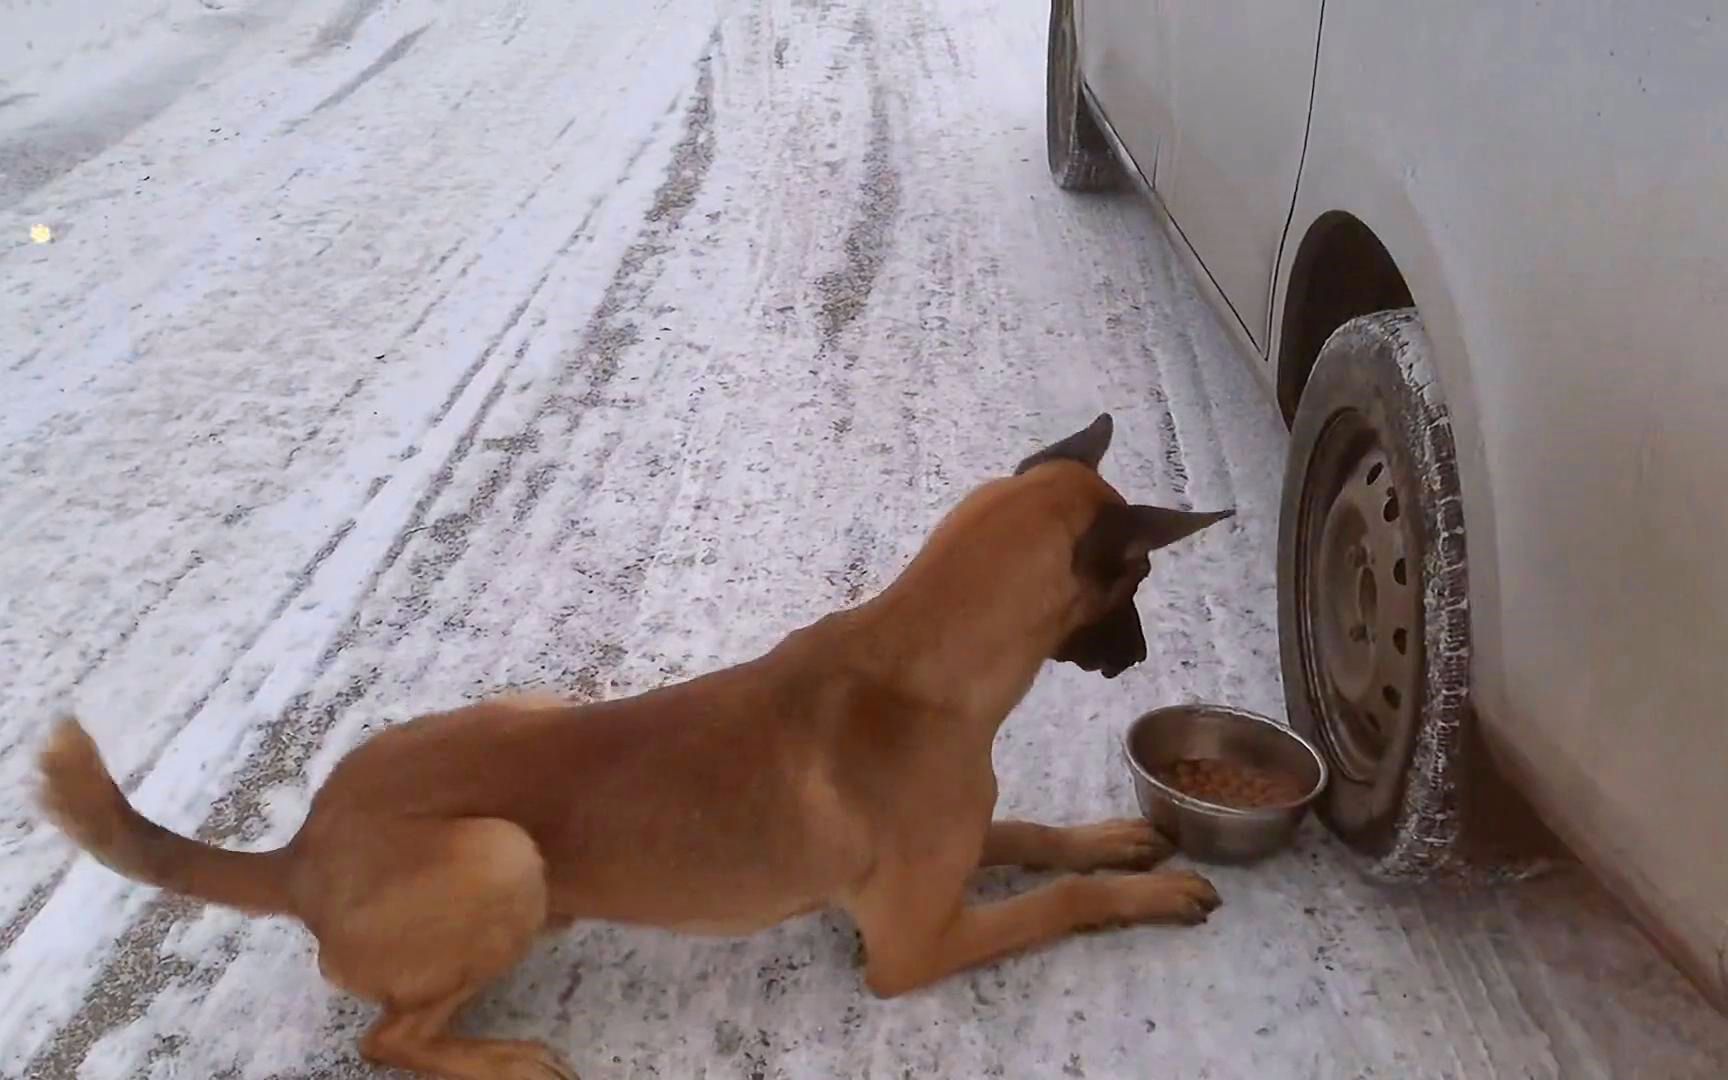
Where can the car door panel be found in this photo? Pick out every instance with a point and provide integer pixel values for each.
(1239, 77)
(1123, 46)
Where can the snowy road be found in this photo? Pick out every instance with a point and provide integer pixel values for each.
(392, 352)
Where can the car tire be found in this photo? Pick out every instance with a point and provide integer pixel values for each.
(1373, 596)
(1080, 158)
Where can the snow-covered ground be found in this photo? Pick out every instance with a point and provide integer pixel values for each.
(392, 352)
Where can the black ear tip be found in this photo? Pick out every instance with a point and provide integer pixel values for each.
(1086, 446)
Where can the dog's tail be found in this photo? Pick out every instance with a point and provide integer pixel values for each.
(80, 797)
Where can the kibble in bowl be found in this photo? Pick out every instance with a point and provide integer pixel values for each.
(1226, 785)
(1233, 784)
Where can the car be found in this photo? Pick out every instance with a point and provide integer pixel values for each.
(1479, 253)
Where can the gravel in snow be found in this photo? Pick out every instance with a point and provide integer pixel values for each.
(390, 352)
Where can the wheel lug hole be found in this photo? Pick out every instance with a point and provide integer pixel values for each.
(1367, 595)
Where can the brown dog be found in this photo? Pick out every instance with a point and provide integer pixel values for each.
(848, 767)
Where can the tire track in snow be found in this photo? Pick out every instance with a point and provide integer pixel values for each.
(135, 974)
(127, 984)
(1191, 410)
(388, 58)
(845, 291)
(33, 901)
(301, 578)
(612, 332)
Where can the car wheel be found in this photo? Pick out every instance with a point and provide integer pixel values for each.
(1080, 159)
(1373, 608)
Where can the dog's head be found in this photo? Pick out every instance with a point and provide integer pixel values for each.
(1111, 554)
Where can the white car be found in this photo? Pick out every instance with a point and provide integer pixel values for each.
(1480, 251)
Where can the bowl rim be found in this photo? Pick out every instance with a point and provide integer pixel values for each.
(1192, 803)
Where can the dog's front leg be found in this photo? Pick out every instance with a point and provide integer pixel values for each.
(916, 932)
(1125, 844)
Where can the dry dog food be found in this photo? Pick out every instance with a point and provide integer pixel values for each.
(1233, 784)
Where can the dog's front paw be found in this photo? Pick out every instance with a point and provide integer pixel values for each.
(524, 1061)
(1124, 844)
(1173, 896)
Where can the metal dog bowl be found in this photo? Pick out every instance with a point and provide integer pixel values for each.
(1203, 830)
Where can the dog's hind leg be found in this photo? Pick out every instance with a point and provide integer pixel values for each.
(1125, 844)
(419, 916)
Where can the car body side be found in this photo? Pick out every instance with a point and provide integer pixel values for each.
(1549, 186)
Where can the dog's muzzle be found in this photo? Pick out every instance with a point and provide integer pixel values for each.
(1109, 646)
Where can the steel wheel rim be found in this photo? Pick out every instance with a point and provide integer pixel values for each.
(1359, 593)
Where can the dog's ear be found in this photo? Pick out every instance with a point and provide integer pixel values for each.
(1122, 535)
(1086, 446)
(1112, 555)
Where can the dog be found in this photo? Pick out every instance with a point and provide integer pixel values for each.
(849, 767)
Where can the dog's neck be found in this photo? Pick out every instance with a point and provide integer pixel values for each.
(964, 637)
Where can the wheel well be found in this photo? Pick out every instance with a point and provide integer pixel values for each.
(1340, 271)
